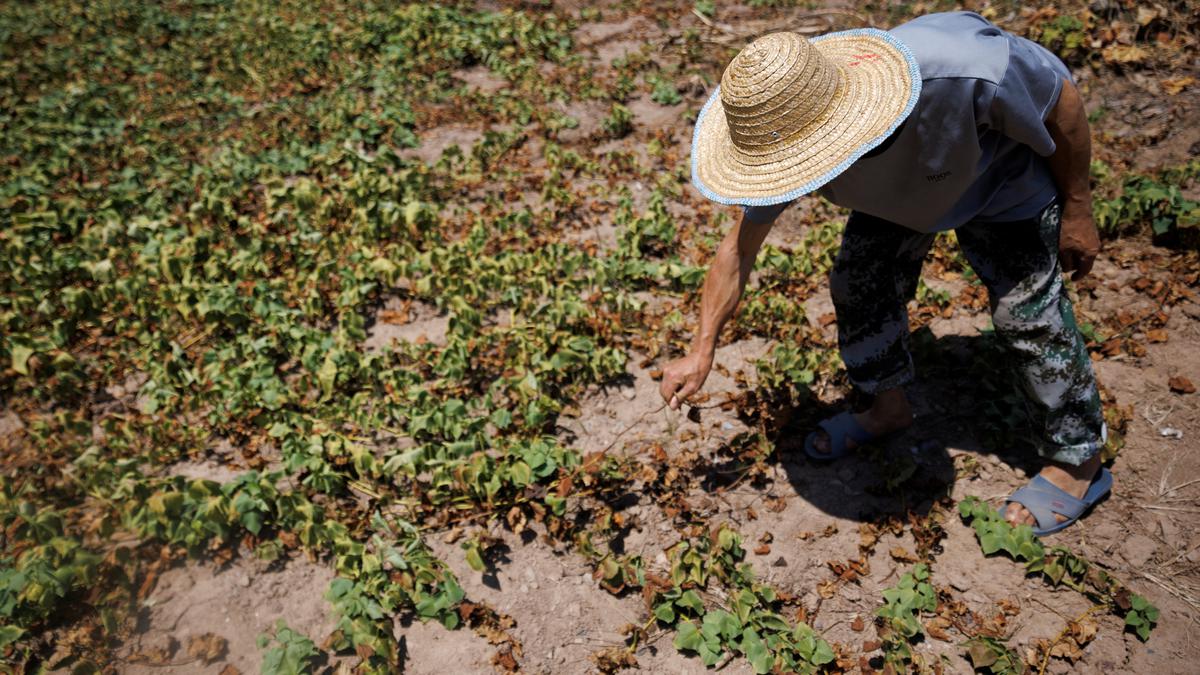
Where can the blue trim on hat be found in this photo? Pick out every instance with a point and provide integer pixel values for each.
(915, 92)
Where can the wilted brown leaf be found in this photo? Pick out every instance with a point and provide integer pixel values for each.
(900, 554)
(206, 647)
(994, 626)
(147, 584)
(516, 519)
(1111, 347)
(565, 485)
(158, 655)
(867, 536)
(592, 462)
(1084, 630)
(1125, 54)
(936, 629)
(1067, 649)
(981, 657)
(1033, 654)
(1181, 385)
(505, 662)
(613, 659)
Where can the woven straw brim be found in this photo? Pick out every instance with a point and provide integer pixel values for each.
(873, 97)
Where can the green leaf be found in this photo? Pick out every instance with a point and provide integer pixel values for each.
(411, 211)
(772, 621)
(990, 543)
(20, 357)
(727, 539)
(691, 600)
(474, 559)
(501, 418)
(665, 612)
(520, 474)
(687, 636)
(760, 657)
(557, 504)
(10, 634)
(252, 520)
(823, 653)
(725, 624)
(609, 569)
(327, 374)
(710, 653)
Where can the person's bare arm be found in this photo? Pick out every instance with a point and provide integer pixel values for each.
(1079, 242)
(723, 287)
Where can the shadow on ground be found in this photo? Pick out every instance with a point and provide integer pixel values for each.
(965, 400)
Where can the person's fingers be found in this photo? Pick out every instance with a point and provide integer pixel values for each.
(690, 386)
(668, 386)
(674, 403)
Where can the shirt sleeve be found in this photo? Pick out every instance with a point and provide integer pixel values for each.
(1027, 93)
(763, 215)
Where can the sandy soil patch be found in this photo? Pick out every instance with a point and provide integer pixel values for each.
(236, 603)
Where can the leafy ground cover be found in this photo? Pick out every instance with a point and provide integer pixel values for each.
(350, 316)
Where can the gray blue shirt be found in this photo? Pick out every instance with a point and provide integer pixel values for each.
(974, 147)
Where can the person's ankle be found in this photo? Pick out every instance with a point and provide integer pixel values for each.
(1084, 471)
(893, 405)
(890, 410)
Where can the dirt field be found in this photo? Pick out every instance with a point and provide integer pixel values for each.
(1146, 533)
(802, 523)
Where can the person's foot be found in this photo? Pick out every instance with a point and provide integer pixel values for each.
(889, 412)
(1074, 480)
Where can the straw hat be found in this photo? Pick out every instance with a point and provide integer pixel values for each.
(796, 113)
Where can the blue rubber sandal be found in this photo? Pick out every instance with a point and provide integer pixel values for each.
(839, 427)
(1045, 499)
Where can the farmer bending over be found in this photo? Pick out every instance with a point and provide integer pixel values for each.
(943, 123)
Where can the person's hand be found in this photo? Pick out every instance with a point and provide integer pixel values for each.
(1078, 242)
(684, 376)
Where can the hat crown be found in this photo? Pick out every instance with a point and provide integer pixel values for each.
(774, 88)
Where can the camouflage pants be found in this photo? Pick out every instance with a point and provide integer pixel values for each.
(876, 275)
